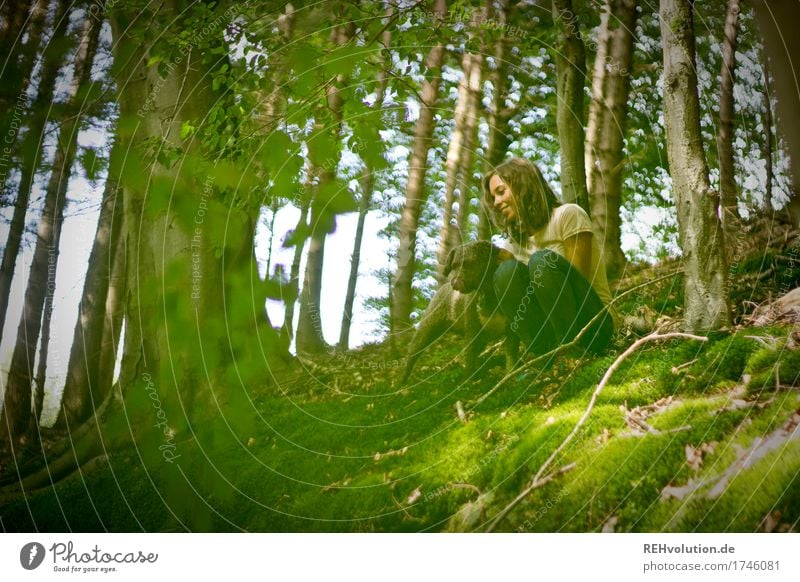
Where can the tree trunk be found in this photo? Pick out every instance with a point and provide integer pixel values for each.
(190, 269)
(606, 128)
(571, 72)
(367, 185)
(782, 46)
(35, 28)
(114, 312)
(83, 390)
(402, 293)
(768, 207)
(309, 325)
(294, 272)
(727, 174)
(41, 282)
(31, 153)
(499, 115)
(470, 137)
(272, 107)
(457, 152)
(700, 232)
(13, 24)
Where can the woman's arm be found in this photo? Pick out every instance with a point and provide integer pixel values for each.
(578, 251)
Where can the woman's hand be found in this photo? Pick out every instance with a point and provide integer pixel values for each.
(578, 251)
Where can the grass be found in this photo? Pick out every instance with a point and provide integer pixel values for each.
(345, 451)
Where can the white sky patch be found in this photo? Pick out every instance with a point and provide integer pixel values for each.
(336, 270)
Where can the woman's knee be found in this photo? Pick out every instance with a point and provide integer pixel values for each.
(545, 263)
(507, 272)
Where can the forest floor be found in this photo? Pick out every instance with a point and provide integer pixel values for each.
(685, 436)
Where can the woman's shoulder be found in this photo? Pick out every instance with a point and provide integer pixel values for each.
(570, 208)
(571, 218)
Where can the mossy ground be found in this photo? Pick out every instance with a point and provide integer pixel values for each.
(351, 453)
(341, 449)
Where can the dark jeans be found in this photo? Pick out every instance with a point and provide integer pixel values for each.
(548, 302)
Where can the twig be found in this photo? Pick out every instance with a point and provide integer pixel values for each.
(564, 347)
(537, 480)
(526, 492)
(460, 411)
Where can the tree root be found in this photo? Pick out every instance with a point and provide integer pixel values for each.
(79, 472)
(78, 447)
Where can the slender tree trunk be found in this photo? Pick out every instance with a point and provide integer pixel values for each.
(571, 72)
(499, 115)
(114, 311)
(31, 153)
(272, 106)
(273, 208)
(309, 325)
(606, 128)
(83, 390)
(727, 173)
(768, 137)
(700, 232)
(454, 163)
(13, 24)
(367, 185)
(294, 272)
(782, 46)
(41, 282)
(402, 294)
(470, 137)
(29, 51)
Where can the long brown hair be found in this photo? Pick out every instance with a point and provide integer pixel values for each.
(534, 198)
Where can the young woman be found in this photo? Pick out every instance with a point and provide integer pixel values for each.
(552, 281)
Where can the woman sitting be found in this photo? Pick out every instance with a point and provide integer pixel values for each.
(553, 280)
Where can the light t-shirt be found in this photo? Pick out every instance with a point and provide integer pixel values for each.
(566, 221)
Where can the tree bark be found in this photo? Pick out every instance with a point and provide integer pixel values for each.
(309, 325)
(367, 186)
(768, 137)
(782, 46)
(193, 303)
(470, 137)
(571, 72)
(458, 158)
(41, 282)
(725, 132)
(700, 232)
(31, 153)
(294, 272)
(114, 313)
(499, 115)
(83, 390)
(606, 128)
(402, 293)
(13, 24)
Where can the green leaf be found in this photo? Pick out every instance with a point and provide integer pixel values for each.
(187, 129)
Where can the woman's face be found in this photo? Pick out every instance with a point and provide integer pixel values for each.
(504, 199)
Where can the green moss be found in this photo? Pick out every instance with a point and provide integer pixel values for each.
(358, 455)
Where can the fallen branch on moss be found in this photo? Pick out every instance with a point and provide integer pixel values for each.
(538, 479)
(564, 347)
